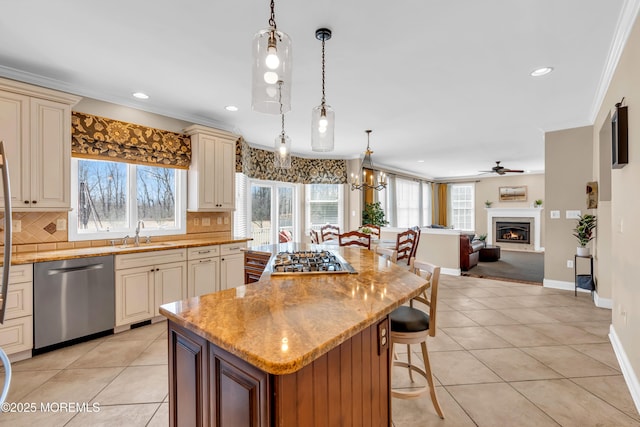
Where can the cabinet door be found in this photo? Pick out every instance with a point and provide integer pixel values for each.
(14, 132)
(170, 284)
(231, 271)
(202, 173)
(225, 174)
(203, 276)
(134, 295)
(50, 154)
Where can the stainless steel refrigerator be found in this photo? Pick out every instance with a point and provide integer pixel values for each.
(6, 265)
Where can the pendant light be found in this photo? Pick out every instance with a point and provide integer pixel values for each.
(369, 178)
(271, 64)
(282, 156)
(322, 116)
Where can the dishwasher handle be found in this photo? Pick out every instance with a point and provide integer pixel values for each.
(53, 271)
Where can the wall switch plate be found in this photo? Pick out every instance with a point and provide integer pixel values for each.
(61, 224)
(206, 221)
(196, 221)
(17, 225)
(569, 263)
(572, 214)
(226, 220)
(554, 214)
(219, 221)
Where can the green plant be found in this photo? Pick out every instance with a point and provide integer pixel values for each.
(482, 237)
(488, 204)
(365, 230)
(373, 214)
(584, 229)
(538, 202)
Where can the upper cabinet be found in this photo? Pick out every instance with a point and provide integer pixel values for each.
(35, 125)
(212, 172)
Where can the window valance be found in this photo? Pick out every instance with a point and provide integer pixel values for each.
(100, 138)
(257, 163)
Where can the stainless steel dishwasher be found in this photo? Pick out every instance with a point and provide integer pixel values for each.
(72, 299)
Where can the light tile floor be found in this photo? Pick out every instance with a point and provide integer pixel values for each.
(505, 354)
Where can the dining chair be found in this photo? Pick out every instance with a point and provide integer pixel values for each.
(355, 238)
(329, 232)
(375, 230)
(411, 325)
(406, 242)
(387, 253)
(315, 237)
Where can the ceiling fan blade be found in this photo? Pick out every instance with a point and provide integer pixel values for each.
(513, 170)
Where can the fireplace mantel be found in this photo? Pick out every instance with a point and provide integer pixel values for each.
(535, 213)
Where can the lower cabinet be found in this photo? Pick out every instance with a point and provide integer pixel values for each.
(146, 280)
(232, 265)
(16, 333)
(209, 386)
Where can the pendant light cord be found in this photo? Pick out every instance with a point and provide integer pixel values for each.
(280, 101)
(323, 99)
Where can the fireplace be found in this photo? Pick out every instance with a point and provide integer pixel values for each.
(513, 232)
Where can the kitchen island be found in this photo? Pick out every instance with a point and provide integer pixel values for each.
(288, 350)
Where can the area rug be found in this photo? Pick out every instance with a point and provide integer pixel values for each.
(525, 267)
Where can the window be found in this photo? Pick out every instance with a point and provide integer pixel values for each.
(462, 207)
(407, 203)
(324, 205)
(426, 204)
(108, 199)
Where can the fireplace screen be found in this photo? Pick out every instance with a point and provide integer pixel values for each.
(513, 232)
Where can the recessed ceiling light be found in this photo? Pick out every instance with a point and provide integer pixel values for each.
(231, 108)
(420, 161)
(140, 95)
(538, 72)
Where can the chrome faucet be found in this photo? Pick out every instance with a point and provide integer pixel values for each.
(136, 241)
(124, 240)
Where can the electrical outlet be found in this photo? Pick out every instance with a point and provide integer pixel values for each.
(206, 221)
(61, 224)
(572, 214)
(226, 220)
(554, 214)
(569, 263)
(17, 226)
(219, 221)
(196, 221)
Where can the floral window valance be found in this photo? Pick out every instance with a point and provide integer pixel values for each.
(97, 137)
(257, 163)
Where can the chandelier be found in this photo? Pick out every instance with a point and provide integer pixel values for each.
(271, 64)
(322, 116)
(370, 180)
(282, 156)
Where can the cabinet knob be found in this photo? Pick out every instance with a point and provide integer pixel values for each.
(34, 202)
(26, 202)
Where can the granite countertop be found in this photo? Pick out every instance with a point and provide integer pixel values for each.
(61, 254)
(284, 322)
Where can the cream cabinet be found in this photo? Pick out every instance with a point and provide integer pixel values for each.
(16, 333)
(211, 183)
(203, 276)
(232, 265)
(146, 280)
(35, 125)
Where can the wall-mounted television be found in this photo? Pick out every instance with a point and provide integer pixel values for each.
(619, 137)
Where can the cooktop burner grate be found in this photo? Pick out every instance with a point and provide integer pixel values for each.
(318, 261)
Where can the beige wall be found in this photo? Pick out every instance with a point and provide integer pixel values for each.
(568, 160)
(487, 189)
(620, 225)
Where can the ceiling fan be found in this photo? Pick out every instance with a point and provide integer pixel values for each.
(501, 170)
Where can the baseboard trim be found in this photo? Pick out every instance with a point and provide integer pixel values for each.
(602, 302)
(628, 373)
(450, 271)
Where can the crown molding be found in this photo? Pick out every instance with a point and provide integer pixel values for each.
(624, 26)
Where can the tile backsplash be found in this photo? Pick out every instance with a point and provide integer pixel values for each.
(41, 230)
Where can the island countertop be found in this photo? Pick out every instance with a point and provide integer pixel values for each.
(284, 322)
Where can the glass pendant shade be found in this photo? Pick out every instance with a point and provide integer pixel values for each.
(271, 64)
(282, 155)
(322, 124)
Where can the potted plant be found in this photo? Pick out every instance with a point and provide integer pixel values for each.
(487, 204)
(584, 232)
(537, 203)
(373, 214)
(483, 239)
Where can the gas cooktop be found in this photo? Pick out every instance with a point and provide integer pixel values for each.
(309, 262)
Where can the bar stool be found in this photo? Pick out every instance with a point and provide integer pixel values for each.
(410, 325)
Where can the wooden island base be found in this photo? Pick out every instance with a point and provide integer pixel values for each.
(347, 386)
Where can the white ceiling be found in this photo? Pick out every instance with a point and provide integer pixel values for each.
(446, 82)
